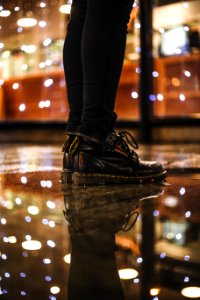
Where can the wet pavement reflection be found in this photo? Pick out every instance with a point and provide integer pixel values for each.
(104, 242)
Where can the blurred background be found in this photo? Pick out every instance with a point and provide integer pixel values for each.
(32, 85)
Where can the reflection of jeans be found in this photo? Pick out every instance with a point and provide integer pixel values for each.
(93, 271)
(93, 59)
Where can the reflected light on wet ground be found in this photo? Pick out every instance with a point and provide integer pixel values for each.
(111, 242)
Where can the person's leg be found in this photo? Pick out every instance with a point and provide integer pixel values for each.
(73, 64)
(96, 154)
(103, 46)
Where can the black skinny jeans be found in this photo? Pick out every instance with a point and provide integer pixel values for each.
(93, 58)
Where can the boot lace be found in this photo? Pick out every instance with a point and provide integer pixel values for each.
(123, 141)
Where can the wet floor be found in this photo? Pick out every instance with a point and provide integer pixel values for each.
(112, 242)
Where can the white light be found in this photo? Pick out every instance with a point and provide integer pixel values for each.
(154, 292)
(47, 42)
(187, 73)
(191, 292)
(48, 82)
(55, 290)
(65, 9)
(42, 24)
(160, 97)
(22, 107)
(33, 210)
(182, 97)
(48, 278)
(42, 104)
(2, 45)
(67, 258)
(31, 245)
(156, 213)
(17, 8)
(15, 86)
(1, 7)
(178, 236)
(3, 221)
(45, 221)
(1, 82)
(28, 237)
(27, 219)
(6, 54)
(4, 256)
(188, 214)
(24, 67)
(49, 182)
(27, 22)
(52, 224)
(134, 95)
(161, 30)
(42, 4)
(43, 183)
(155, 74)
(137, 25)
(19, 30)
(12, 239)
(1, 64)
(51, 204)
(170, 201)
(185, 4)
(46, 261)
(128, 273)
(186, 257)
(48, 62)
(48, 104)
(178, 51)
(186, 28)
(138, 70)
(5, 13)
(139, 260)
(137, 49)
(51, 243)
(24, 179)
(9, 204)
(170, 235)
(182, 191)
(163, 255)
(28, 48)
(42, 65)
(186, 279)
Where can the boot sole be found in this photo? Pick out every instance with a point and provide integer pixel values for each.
(79, 179)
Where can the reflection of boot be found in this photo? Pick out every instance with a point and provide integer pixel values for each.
(95, 214)
(108, 207)
(114, 162)
(94, 207)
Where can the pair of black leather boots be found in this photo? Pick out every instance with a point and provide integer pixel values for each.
(87, 162)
